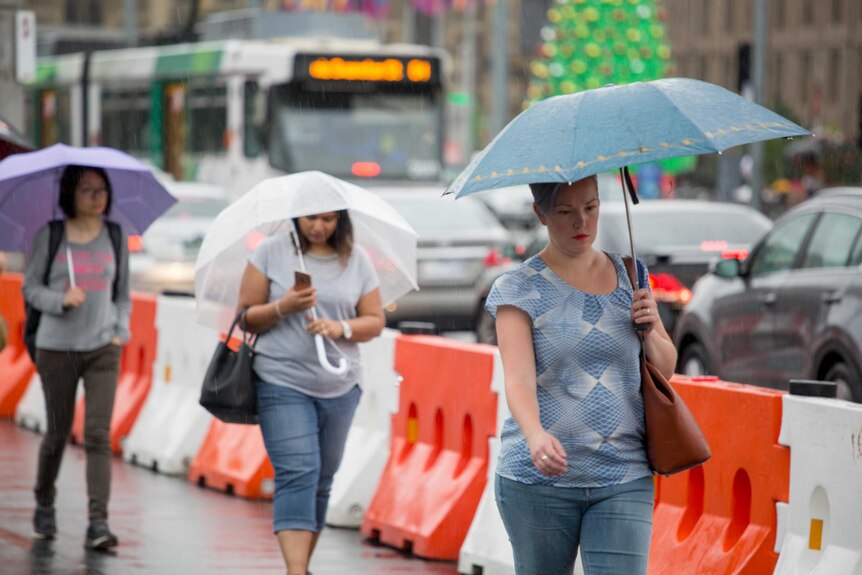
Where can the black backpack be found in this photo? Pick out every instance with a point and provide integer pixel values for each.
(55, 237)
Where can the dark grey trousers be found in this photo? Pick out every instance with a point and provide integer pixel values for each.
(60, 371)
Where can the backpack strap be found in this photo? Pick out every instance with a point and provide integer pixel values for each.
(56, 229)
(116, 235)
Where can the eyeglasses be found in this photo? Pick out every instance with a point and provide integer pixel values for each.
(92, 192)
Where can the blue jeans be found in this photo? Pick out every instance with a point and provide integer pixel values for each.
(304, 438)
(546, 526)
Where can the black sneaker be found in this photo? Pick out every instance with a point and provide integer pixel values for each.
(99, 536)
(44, 522)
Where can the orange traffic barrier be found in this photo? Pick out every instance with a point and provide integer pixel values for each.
(233, 459)
(136, 374)
(721, 518)
(438, 460)
(16, 369)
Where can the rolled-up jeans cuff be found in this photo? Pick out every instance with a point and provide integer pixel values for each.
(295, 525)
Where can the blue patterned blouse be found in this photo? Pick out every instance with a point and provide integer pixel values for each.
(588, 377)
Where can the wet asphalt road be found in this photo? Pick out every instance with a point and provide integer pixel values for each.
(166, 526)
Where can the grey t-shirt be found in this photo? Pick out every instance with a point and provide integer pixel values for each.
(99, 319)
(286, 354)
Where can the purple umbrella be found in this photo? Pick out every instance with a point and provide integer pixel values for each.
(30, 187)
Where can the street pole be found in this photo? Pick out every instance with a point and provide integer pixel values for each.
(468, 79)
(500, 68)
(759, 74)
(11, 92)
(130, 22)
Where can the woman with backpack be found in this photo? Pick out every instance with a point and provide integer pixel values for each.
(82, 293)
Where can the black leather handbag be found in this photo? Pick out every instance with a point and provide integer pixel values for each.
(228, 387)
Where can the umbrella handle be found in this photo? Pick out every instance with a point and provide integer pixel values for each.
(342, 366)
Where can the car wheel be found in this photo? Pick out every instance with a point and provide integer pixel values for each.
(846, 377)
(693, 362)
(486, 327)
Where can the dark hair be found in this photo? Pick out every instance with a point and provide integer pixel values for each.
(69, 181)
(341, 240)
(545, 193)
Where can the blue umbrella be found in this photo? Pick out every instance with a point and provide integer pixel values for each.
(567, 138)
(30, 188)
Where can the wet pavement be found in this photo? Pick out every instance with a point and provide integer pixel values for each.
(166, 526)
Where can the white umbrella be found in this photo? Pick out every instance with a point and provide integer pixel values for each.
(269, 209)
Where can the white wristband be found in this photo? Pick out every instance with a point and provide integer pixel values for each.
(348, 333)
(278, 310)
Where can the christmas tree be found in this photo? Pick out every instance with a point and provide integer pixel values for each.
(589, 43)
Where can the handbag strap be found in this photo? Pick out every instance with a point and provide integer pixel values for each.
(241, 319)
(630, 268)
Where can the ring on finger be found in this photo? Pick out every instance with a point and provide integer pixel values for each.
(544, 457)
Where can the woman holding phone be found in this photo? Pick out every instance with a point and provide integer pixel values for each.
(305, 411)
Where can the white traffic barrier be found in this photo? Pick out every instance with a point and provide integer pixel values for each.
(30, 412)
(486, 549)
(824, 528)
(172, 425)
(367, 447)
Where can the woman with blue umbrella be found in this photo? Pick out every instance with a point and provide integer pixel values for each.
(574, 463)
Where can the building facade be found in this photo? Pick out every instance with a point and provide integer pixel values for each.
(813, 57)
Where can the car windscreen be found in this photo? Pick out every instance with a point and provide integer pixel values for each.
(692, 228)
(429, 214)
(195, 208)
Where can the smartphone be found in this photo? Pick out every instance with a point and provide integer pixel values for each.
(301, 280)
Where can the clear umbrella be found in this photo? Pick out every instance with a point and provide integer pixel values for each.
(269, 208)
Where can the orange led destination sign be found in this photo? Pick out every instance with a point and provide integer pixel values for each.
(367, 69)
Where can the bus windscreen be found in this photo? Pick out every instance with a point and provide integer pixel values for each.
(391, 134)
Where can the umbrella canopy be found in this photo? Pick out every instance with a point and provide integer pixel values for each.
(11, 140)
(269, 208)
(567, 138)
(30, 188)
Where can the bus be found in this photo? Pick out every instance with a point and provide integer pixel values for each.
(236, 111)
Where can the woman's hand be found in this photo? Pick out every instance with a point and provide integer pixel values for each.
(116, 340)
(297, 300)
(328, 328)
(74, 297)
(645, 309)
(547, 454)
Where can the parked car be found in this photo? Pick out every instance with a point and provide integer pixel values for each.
(163, 258)
(676, 238)
(458, 241)
(791, 310)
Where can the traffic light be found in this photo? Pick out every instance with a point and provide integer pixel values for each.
(744, 66)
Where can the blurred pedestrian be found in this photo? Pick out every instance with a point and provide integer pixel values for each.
(305, 411)
(573, 471)
(85, 310)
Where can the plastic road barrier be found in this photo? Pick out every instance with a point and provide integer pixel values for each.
(824, 528)
(172, 425)
(367, 447)
(136, 374)
(721, 517)
(233, 459)
(487, 548)
(16, 369)
(438, 461)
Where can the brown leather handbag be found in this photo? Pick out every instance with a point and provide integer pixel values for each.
(674, 440)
